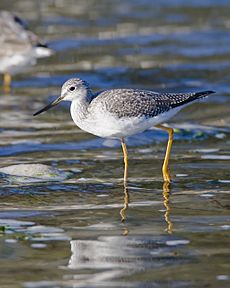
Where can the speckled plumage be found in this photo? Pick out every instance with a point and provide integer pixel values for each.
(138, 103)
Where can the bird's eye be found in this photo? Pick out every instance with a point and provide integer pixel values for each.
(72, 88)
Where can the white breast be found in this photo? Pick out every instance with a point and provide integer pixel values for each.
(107, 125)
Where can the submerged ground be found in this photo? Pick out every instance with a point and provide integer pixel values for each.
(69, 233)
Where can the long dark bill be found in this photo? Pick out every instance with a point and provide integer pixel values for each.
(50, 105)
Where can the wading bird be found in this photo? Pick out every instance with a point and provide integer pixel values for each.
(118, 113)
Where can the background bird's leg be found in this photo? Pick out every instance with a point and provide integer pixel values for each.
(125, 153)
(165, 168)
(6, 82)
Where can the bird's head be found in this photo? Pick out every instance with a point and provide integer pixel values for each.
(72, 89)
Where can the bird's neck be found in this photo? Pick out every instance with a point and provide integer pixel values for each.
(79, 107)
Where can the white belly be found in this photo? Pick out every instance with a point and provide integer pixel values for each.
(107, 125)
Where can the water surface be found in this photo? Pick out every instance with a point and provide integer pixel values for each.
(70, 233)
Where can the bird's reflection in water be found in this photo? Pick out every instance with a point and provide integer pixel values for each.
(166, 202)
(110, 257)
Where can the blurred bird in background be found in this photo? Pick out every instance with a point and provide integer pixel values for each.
(20, 47)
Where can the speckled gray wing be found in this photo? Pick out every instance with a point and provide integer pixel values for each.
(139, 103)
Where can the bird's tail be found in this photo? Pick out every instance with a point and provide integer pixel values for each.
(202, 94)
(186, 98)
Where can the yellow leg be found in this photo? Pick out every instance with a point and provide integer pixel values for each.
(165, 168)
(125, 153)
(7, 82)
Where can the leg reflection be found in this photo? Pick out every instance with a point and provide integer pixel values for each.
(166, 202)
(126, 204)
(166, 194)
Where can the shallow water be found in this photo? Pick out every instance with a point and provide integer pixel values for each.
(70, 233)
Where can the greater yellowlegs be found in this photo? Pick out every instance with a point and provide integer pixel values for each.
(20, 47)
(118, 113)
